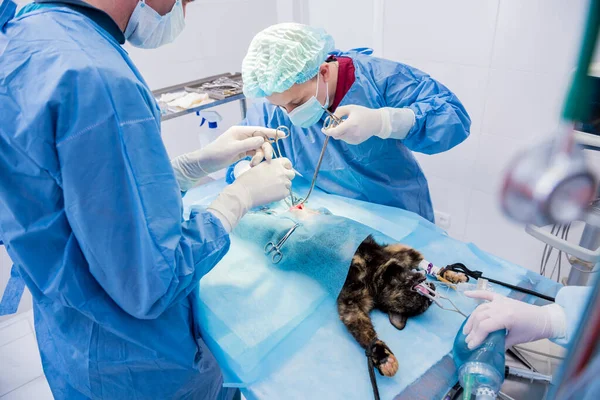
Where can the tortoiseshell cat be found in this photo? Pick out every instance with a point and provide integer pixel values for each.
(382, 277)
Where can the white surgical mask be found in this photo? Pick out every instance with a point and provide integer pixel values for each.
(310, 112)
(147, 29)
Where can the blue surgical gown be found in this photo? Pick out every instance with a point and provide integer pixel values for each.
(91, 215)
(573, 300)
(379, 171)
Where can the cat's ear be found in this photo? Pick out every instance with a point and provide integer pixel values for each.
(397, 319)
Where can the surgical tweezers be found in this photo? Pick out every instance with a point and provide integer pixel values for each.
(271, 247)
(425, 290)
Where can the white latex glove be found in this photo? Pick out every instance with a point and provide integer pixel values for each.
(233, 145)
(523, 322)
(267, 182)
(363, 123)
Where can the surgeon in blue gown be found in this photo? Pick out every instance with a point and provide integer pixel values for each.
(391, 108)
(91, 208)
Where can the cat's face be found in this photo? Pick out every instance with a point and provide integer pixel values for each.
(406, 297)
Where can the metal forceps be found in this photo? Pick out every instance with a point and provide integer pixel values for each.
(286, 134)
(277, 149)
(330, 122)
(425, 290)
(271, 247)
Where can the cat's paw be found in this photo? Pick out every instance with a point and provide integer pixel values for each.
(383, 359)
(454, 277)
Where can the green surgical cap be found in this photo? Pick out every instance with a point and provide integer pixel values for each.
(283, 55)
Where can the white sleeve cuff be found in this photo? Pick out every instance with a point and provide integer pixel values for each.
(397, 122)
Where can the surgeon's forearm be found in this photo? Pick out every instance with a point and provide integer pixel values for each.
(231, 205)
(187, 174)
(397, 122)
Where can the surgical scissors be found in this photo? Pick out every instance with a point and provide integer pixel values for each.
(271, 247)
(425, 290)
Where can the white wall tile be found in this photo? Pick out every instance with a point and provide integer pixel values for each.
(523, 105)
(455, 165)
(492, 159)
(285, 11)
(20, 364)
(452, 199)
(489, 229)
(38, 389)
(539, 35)
(459, 32)
(352, 25)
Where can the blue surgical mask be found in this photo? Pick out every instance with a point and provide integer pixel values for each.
(310, 112)
(147, 29)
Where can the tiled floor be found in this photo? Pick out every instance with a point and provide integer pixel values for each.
(21, 375)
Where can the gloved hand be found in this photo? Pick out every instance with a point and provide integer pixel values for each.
(363, 123)
(267, 182)
(233, 145)
(523, 322)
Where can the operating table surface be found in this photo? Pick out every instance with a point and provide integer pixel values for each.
(329, 364)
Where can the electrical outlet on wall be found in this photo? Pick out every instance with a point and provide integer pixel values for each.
(442, 219)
